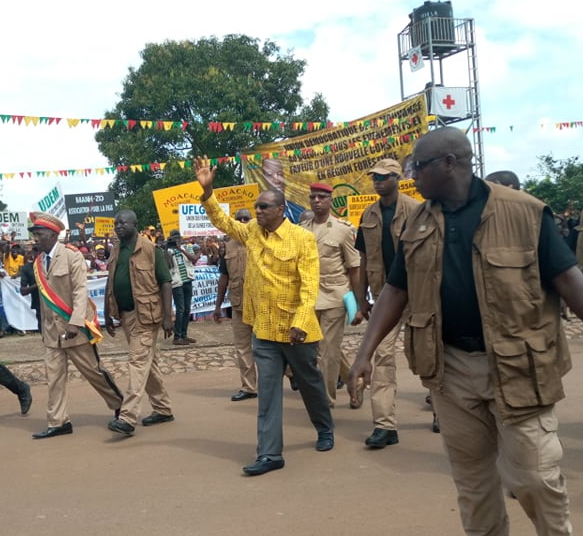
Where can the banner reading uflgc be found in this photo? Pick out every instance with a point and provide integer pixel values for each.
(339, 156)
(168, 201)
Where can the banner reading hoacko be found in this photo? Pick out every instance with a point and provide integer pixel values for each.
(240, 196)
(339, 156)
(104, 226)
(168, 200)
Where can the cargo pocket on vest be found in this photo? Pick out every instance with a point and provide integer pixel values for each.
(148, 309)
(529, 372)
(421, 344)
(546, 367)
(516, 374)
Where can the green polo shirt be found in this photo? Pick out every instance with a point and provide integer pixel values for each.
(122, 285)
(459, 301)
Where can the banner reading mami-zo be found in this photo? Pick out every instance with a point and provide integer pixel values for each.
(340, 156)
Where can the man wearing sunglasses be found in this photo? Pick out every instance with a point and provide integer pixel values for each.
(480, 268)
(232, 270)
(377, 238)
(339, 273)
(281, 287)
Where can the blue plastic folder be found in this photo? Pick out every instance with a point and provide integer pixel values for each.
(351, 306)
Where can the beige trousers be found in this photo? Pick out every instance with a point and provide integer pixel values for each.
(383, 389)
(242, 340)
(87, 363)
(485, 453)
(332, 360)
(144, 375)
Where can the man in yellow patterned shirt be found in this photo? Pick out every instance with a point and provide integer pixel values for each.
(281, 286)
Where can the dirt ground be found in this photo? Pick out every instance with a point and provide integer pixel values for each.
(185, 477)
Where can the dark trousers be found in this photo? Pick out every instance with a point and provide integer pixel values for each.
(10, 381)
(271, 359)
(182, 299)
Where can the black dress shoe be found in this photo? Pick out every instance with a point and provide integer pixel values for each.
(243, 395)
(54, 431)
(121, 427)
(325, 441)
(262, 465)
(381, 438)
(25, 399)
(156, 418)
(293, 384)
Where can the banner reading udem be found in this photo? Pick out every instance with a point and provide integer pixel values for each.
(339, 156)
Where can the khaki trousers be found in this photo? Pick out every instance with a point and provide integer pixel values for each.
(87, 363)
(144, 375)
(485, 453)
(383, 389)
(242, 334)
(332, 361)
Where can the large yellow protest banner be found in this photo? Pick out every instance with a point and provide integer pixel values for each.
(339, 156)
(168, 200)
(243, 196)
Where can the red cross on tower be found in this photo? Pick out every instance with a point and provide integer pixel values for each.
(448, 102)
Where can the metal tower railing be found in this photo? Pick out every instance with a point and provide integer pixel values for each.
(440, 38)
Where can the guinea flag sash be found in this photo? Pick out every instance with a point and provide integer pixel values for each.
(54, 302)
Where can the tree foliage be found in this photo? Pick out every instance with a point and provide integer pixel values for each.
(560, 185)
(237, 79)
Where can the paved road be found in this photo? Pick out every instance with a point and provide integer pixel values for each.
(185, 477)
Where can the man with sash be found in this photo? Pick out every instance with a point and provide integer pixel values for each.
(70, 329)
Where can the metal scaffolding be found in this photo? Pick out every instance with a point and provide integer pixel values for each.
(438, 39)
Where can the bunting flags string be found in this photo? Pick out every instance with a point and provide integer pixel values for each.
(156, 166)
(229, 126)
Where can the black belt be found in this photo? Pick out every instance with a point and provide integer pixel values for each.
(468, 344)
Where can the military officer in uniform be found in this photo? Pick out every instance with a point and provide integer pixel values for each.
(232, 269)
(339, 273)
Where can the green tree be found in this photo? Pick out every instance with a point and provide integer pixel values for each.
(199, 82)
(560, 184)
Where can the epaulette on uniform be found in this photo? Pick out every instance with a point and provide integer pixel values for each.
(345, 222)
(70, 246)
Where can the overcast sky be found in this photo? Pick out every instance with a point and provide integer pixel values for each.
(68, 59)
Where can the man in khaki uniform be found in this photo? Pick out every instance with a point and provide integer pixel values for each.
(339, 272)
(232, 269)
(69, 325)
(378, 234)
(139, 294)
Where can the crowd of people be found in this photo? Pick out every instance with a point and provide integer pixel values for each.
(473, 277)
